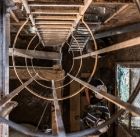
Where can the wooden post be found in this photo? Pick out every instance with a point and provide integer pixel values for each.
(54, 124)
(74, 108)
(59, 94)
(4, 59)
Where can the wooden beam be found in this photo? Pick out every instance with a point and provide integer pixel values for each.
(58, 115)
(15, 92)
(54, 29)
(55, 17)
(55, 12)
(126, 44)
(118, 30)
(35, 54)
(5, 110)
(13, 15)
(45, 72)
(138, 4)
(53, 22)
(56, 4)
(82, 10)
(126, 106)
(55, 32)
(63, 26)
(25, 4)
(19, 53)
(116, 13)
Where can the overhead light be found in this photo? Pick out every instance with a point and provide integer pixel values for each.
(32, 29)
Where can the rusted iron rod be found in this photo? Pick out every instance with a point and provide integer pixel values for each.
(58, 115)
(15, 92)
(134, 110)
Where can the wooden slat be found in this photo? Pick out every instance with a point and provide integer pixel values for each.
(44, 72)
(63, 26)
(56, 4)
(82, 10)
(53, 22)
(25, 4)
(55, 17)
(54, 29)
(56, 11)
(6, 109)
(116, 13)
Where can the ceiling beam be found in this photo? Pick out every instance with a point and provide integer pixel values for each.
(15, 92)
(56, 11)
(82, 11)
(35, 54)
(25, 4)
(53, 22)
(49, 26)
(126, 44)
(118, 30)
(58, 115)
(7, 108)
(56, 4)
(55, 17)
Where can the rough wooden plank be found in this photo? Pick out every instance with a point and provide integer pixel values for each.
(126, 44)
(127, 106)
(53, 22)
(58, 115)
(25, 4)
(55, 26)
(74, 108)
(5, 110)
(116, 13)
(55, 17)
(42, 71)
(35, 54)
(56, 4)
(55, 12)
(15, 92)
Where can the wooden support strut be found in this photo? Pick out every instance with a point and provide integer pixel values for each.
(116, 13)
(82, 10)
(126, 44)
(134, 110)
(80, 133)
(7, 108)
(58, 116)
(15, 92)
(25, 4)
(35, 54)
